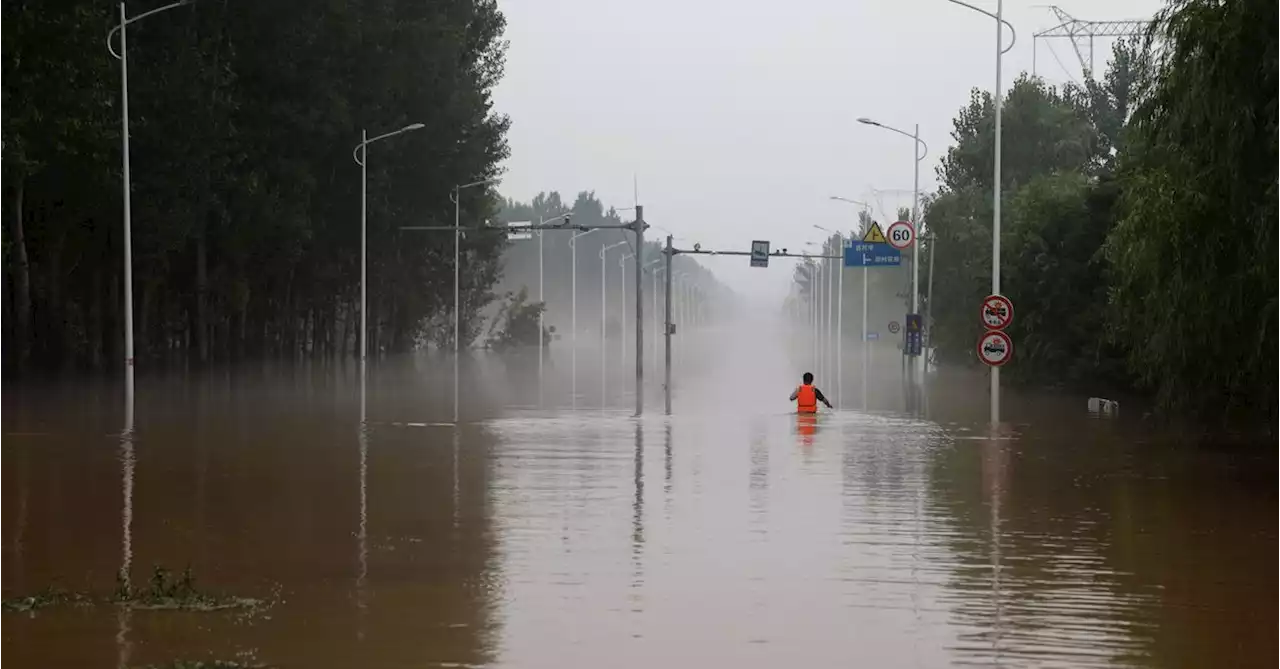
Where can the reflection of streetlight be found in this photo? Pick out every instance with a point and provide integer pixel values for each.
(457, 293)
(359, 154)
(995, 202)
(123, 57)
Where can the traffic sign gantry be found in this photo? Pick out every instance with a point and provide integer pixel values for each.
(902, 235)
(997, 312)
(995, 348)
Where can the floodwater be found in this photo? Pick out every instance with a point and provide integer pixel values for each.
(556, 530)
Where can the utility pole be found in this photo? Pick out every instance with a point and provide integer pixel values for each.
(666, 329)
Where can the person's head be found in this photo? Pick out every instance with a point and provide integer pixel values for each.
(808, 379)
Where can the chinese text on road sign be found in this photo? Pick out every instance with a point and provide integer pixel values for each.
(872, 255)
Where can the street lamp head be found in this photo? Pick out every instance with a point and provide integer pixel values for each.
(867, 121)
(414, 126)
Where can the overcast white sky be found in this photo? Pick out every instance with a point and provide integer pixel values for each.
(738, 118)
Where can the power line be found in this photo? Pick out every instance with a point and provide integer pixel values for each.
(1081, 33)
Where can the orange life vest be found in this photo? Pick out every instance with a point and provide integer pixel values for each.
(806, 400)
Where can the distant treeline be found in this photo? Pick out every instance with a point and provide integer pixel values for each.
(246, 199)
(520, 263)
(1139, 219)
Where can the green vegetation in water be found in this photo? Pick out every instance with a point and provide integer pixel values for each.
(203, 664)
(163, 592)
(50, 596)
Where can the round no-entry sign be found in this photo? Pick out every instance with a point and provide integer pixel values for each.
(901, 235)
(997, 312)
(894, 327)
(995, 348)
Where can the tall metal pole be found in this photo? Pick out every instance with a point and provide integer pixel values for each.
(866, 344)
(128, 212)
(831, 320)
(622, 319)
(666, 332)
(915, 248)
(457, 294)
(654, 274)
(543, 300)
(995, 203)
(364, 249)
(604, 328)
(840, 326)
(928, 303)
(573, 320)
(639, 260)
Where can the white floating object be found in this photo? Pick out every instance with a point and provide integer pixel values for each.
(1104, 406)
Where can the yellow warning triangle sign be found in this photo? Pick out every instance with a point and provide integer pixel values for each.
(875, 235)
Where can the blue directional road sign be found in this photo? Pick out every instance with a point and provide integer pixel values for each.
(864, 254)
(915, 334)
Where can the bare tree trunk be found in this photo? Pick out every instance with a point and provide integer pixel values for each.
(24, 282)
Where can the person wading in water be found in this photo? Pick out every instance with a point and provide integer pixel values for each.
(807, 396)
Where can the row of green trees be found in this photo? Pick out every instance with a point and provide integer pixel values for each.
(246, 199)
(1139, 218)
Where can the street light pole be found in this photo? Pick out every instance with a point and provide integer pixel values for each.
(622, 290)
(838, 338)
(457, 282)
(127, 187)
(604, 322)
(995, 186)
(360, 155)
(866, 350)
(915, 216)
(573, 322)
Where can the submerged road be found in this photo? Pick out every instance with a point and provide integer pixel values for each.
(729, 534)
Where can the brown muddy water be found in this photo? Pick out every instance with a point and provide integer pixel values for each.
(551, 530)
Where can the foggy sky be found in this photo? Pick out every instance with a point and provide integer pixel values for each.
(738, 119)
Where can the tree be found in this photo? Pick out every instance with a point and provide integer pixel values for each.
(246, 236)
(1195, 251)
(519, 319)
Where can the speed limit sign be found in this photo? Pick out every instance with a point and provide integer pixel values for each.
(902, 235)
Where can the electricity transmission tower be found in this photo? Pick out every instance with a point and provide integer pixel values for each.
(1081, 33)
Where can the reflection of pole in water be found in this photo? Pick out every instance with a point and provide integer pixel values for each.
(637, 518)
(457, 487)
(993, 468)
(362, 537)
(21, 530)
(124, 647)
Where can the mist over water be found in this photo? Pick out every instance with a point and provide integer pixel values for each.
(555, 529)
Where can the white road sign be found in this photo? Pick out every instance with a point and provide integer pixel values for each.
(901, 235)
(995, 348)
